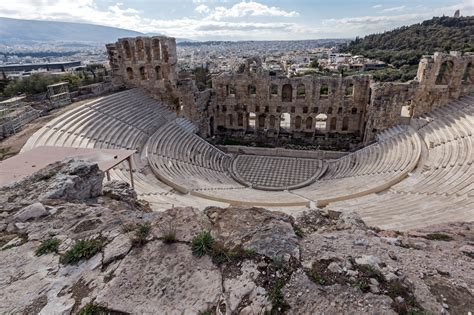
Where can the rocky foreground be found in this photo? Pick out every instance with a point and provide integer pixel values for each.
(70, 245)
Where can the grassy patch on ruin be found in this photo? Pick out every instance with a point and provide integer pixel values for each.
(202, 244)
(48, 246)
(95, 309)
(82, 250)
(275, 296)
(23, 240)
(141, 234)
(169, 234)
(438, 237)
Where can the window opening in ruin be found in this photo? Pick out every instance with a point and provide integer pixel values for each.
(240, 119)
(274, 89)
(330, 110)
(300, 91)
(140, 49)
(285, 121)
(278, 109)
(230, 120)
(333, 124)
(156, 46)
(143, 73)
(230, 90)
(267, 109)
(406, 111)
(345, 123)
(293, 109)
(324, 90)
(339, 110)
(287, 93)
(298, 122)
(257, 108)
(159, 74)
(468, 75)
(245, 108)
(309, 123)
(252, 90)
(261, 121)
(444, 72)
(130, 73)
(251, 120)
(164, 50)
(236, 107)
(321, 122)
(305, 110)
(350, 90)
(224, 108)
(354, 111)
(315, 110)
(128, 51)
(272, 122)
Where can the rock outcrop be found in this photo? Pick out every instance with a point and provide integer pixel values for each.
(67, 244)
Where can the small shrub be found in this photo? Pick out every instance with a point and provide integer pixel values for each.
(169, 234)
(298, 231)
(278, 262)
(202, 244)
(93, 309)
(48, 246)
(439, 237)
(141, 234)
(275, 296)
(82, 249)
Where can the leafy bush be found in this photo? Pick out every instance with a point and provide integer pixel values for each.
(48, 246)
(81, 250)
(202, 244)
(141, 234)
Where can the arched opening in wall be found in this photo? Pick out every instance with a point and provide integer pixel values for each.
(143, 73)
(468, 75)
(240, 119)
(158, 73)
(261, 121)
(339, 110)
(224, 108)
(305, 109)
(252, 90)
(315, 110)
(444, 73)
(272, 122)
(211, 126)
(324, 90)
(285, 121)
(345, 124)
(287, 93)
(130, 73)
(231, 90)
(230, 120)
(330, 110)
(251, 120)
(300, 91)
(321, 122)
(156, 47)
(298, 122)
(165, 55)
(273, 89)
(333, 124)
(140, 49)
(128, 51)
(354, 111)
(309, 123)
(350, 89)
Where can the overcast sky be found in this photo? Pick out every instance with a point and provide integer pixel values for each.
(240, 20)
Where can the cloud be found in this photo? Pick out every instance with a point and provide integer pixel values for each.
(377, 6)
(202, 8)
(251, 8)
(394, 9)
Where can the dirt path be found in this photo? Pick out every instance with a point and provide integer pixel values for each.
(13, 144)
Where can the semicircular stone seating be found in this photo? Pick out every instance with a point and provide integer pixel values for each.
(441, 189)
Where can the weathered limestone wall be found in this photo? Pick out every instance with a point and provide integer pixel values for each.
(254, 104)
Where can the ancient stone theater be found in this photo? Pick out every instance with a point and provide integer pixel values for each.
(399, 154)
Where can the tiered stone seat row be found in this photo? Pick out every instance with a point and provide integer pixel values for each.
(187, 162)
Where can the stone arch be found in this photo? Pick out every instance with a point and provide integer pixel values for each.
(272, 122)
(261, 121)
(158, 73)
(230, 120)
(252, 90)
(468, 75)
(330, 110)
(143, 74)
(324, 90)
(345, 124)
(240, 119)
(285, 121)
(273, 89)
(350, 89)
(333, 124)
(130, 73)
(354, 110)
(321, 122)
(297, 122)
(444, 73)
(251, 120)
(156, 48)
(301, 91)
(128, 51)
(309, 123)
(140, 49)
(165, 55)
(287, 93)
